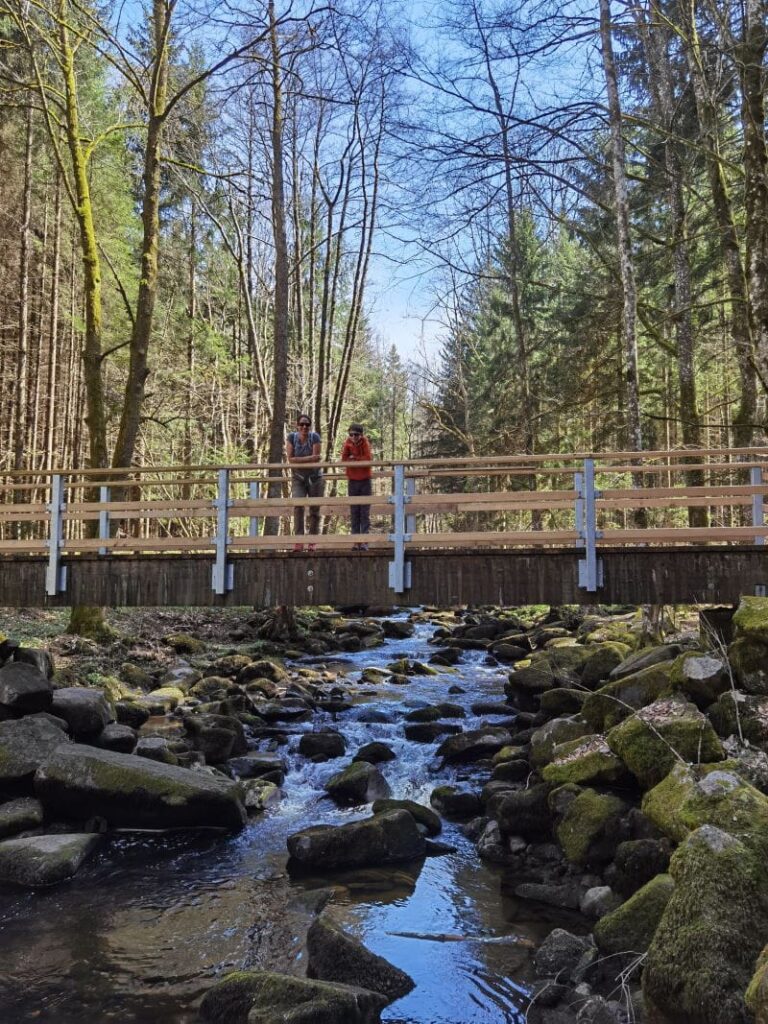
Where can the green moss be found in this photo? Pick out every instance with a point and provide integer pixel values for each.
(631, 927)
(701, 677)
(171, 696)
(183, 643)
(588, 759)
(756, 996)
(751, 618)
(612, 703)
(654, 739)
(552, 734)
(88, 621)
(748, 658)
(602, 660)
(690, 797)
(586, 823)
(702, 955)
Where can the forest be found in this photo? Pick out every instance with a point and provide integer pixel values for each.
(200, 202)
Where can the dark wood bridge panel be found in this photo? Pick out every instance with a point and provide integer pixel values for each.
(632, 575)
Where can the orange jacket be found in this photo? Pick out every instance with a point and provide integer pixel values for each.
(357, 451)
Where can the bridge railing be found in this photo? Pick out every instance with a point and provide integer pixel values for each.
(587, 501)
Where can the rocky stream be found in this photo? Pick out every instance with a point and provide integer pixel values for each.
(428, 818)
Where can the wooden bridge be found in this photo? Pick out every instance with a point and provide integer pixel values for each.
(621, 527)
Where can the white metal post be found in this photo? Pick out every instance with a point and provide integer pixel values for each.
(222, 571)
(104, 499)
(55, 576)
(756, 479)
(254, 493)
(590, 567)
(399, 569)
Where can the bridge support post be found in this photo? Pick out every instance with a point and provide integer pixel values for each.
(254, 493)
(56, 574)
(223, 571)
(104, 499)
(399, 569)
(756, 479)
(590, 567)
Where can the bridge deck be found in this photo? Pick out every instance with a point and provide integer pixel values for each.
(651, 527)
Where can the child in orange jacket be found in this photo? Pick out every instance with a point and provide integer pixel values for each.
(357, 448)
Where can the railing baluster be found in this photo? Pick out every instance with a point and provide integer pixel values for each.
(756, 479)
(254, 493)
(399, 569)
(590, 567)
(410, 521)
(105, 496)
(223, 572)
(56, 575)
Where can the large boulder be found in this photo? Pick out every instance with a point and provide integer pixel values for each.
(474, 745)
(748, 659)
(736, 713)
(44, 860)
(592, 827)
(382, 839)
(85, 711)
(24, 745)
(523, 812)
(756, 996)
(332, 955)
(700, 677)
(455, 802)
(750, 620)
(601, 661)
(327, 744)
(703, 952)
(636, 862)
(588, 759)
(23, 689)
(37, 657)
(262, 997)
(655, 738)
(216, 737)
(616, 700)
(135, 792)
(425, 817)
(359, 783)
(641, 660)
(552, 733)
(631, 927)
(19, 816)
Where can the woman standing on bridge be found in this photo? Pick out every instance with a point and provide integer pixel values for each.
(303, 449)
(357, 448)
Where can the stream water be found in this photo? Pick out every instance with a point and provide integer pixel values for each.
(150, 922)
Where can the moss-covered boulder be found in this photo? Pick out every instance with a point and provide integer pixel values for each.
(523, 812)
(756, 996)
(169, 696)
(703, 952)
(359, 783)
(592, 827)
(602, 659)
(588, 759)
(616, 700)
(631, 927)
(425, 816)
(24, 689)
(37, 861)
(562, 701)
(79, 782)
(262, 997)
(382, 839)
(736, 712)
(25, 745)
(552, 734)
(751, 619)
(183, 643)
(700, 677)
(690, 797)
(527, 683)
(639, 661)
(748, 659)
(333, 955)
(655, 738)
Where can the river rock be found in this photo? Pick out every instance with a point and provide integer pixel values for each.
(259, 794)
(616, 700)
(592, 827)
(360, 783)
(636, 862)
(121, 738)
(375, 753)
(262, 997)
(560, 953)
(44, 860)
(428, 732)
(38, 658)
(474, 745)
(322, 744)
(19, 816)
(217, 737)
(524, 813)
(631, 927)
(131, 713)
(261, 669)
(552, 733)
(155, 748)
(641, 660)
(396, 629)
(423, 815)
(134, 792)
(85, 711)
(700, 677)
(382, 839)
(24, 745)
(23, 688)
(335, 956)
(453, 802)
(258, 764)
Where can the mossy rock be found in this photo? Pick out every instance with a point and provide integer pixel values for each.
(135, 677)
(700, 677)
(631, 927)
(601, 661)
(591, 827)
(552, 734)
(169, 696)
(88, 621)
(690, 797)
(566, 661)
(529, 681)
(424, 816)
(588, 759)
(751, 619)
(656, 737)
(736, 710)
(508, 754)
(748, 659)
(756, 996)
(600, 632)
(562, 701)
(702, 955)
(183, 643)
(615, 701)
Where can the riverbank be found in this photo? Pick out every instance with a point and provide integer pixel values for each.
(518, 728)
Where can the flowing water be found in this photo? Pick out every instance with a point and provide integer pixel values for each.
(150, 922)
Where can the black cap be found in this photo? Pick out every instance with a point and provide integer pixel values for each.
(356, 428)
